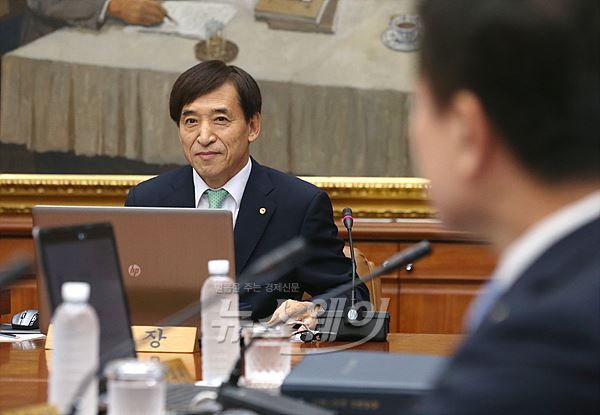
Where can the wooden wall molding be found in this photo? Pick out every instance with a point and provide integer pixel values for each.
(369, 197)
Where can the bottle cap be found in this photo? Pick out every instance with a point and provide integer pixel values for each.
(218, 267)
(76, 292)
(135, 370)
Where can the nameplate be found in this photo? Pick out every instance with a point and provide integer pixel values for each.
(165, 339)
(44, 409)
(156, 339)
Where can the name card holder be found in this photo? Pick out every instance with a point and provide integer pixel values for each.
(172, 339)
(156, 339)
(42, 409)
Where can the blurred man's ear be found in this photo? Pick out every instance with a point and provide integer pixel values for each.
(473, 135)
(254, 125)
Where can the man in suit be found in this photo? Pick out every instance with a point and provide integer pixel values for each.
(45, 16)
(506, 126)
(217, 110)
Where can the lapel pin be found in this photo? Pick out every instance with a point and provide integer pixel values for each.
(262, 211)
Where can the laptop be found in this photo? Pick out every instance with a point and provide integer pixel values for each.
(87, 253)
(163, 254)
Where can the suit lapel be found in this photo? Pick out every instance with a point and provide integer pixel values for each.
(181, 193)
(254, 215)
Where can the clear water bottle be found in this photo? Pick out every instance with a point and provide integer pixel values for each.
(76, 350)
(220, 323)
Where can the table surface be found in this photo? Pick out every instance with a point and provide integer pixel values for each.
(24, 369)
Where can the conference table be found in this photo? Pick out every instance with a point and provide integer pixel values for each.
(24, 366)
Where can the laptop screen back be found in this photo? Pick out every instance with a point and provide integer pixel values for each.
(163, 253)
(88, 253)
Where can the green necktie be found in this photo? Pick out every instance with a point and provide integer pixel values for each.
(216, 198)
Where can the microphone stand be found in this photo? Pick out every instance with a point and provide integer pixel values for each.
(348, 221)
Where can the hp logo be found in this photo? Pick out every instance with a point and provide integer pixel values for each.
(134, 270)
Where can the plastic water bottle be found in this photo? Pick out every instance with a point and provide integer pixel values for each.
(220, 324)
(76, 350)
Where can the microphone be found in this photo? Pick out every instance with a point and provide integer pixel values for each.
(15, 270)
(348, 221)
(406, 257)
(347, 218)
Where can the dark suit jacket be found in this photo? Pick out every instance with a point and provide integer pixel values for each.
(538, 351)
(293, 208)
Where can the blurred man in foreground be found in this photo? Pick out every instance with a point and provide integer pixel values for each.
(506, 126)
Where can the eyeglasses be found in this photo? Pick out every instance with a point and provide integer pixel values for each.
(306, 334)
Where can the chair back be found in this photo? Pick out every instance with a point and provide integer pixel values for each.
(363, 268)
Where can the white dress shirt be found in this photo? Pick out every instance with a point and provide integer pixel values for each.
(235, 187)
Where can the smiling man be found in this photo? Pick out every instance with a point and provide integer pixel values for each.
(217, 110)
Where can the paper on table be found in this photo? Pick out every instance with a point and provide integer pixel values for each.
(190, 18)
(21, 337)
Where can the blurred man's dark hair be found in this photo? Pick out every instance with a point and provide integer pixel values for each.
(207, 76)
(534, 64)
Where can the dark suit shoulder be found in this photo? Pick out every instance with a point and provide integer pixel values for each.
(295, 188)
(152, 192)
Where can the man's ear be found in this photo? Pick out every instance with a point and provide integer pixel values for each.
(254, 126)
(474, 135)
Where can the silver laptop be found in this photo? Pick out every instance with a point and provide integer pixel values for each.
(163, 254)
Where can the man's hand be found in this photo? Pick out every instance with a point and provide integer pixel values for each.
(291, 311)
(138, 12)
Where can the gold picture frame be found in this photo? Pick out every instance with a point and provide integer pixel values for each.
(369, 197)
